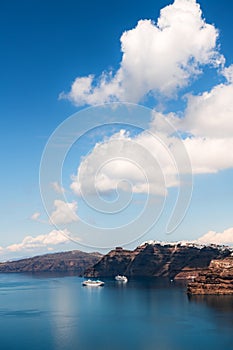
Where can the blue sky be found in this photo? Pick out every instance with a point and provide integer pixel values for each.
(45, 46)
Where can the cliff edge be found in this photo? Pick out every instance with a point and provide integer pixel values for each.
(217, 279)
(157, 260)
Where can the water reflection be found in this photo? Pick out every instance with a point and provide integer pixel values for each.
(146, 314)
(65, 307)
(220, 306)
(223, 303)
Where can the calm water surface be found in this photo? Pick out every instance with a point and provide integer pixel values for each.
(55, 312)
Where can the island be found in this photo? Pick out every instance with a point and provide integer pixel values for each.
(74, 261)
(208, 269)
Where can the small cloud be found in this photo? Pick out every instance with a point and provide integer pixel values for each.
(64, 213)
(228, 73)
(35, 216)
(54, 237)
(57, 187)
(225, 237)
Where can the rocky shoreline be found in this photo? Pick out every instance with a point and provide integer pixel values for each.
(217, 279)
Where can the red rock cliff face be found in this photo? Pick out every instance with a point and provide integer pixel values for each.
(217, 279)
(155, 260)
(112, 264)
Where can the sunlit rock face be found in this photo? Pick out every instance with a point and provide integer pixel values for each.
(157, 260)
(217, 279)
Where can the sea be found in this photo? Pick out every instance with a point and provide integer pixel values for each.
(55, 312)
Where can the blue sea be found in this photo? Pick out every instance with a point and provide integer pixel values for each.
(55, 312)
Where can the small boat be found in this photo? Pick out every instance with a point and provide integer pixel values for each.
(120, 278)
(92, 283)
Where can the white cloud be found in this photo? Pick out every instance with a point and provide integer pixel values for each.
(57, 187)
(208, 118)
(211, 113)
(55, 237)
(142, 164)
(209, 155)
(157, 58)
(228, 73)
(35, 216)
(64, 213)
(225, 237)
(134, 159)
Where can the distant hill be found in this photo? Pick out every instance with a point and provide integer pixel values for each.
(73, 261)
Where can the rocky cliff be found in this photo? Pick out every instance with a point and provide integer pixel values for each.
(73, 261)
(216, 279)
(160, 260)
(174, 260)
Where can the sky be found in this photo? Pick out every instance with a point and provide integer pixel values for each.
(114, 117)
